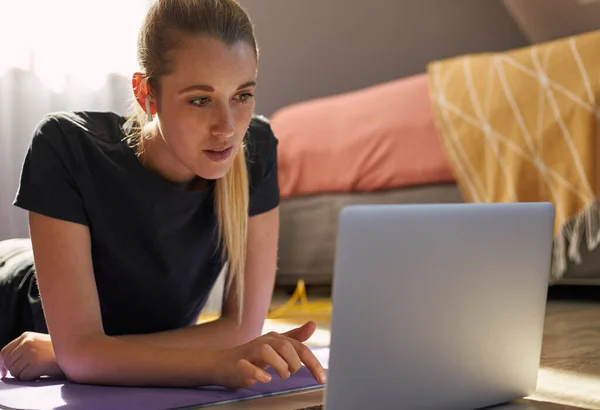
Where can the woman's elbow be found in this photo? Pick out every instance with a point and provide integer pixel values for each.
(78, 363)
(76, 369)
(78, 377)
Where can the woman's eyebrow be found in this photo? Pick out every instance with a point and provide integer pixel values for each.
(210, 89)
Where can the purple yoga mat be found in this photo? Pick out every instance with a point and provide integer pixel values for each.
(46, 394)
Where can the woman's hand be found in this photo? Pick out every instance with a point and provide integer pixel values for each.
(29, 357)
(245, 365)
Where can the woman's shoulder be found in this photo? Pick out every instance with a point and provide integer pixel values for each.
(70, 126)
(53, 172)
(260, 128)
(262, 165)
(77, 137)
(261, 141)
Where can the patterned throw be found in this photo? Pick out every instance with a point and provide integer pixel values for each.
(521, 126)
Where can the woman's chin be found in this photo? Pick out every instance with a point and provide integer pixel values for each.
(213, 173)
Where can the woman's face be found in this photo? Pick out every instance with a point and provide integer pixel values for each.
(206, 105)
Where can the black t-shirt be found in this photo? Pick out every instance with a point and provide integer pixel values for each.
(154, 244)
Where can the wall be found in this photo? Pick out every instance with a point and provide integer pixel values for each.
(312, 48)
(545, 20)
(309, 48)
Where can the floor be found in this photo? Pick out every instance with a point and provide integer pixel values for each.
(570, 364)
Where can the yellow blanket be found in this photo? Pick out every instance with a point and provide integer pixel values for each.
(521, 126)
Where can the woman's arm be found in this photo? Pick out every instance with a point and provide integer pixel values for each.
(71, 307)
(261, 267)
(87, 355)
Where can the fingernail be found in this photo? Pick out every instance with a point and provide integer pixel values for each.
(323, 377)
(266, 378)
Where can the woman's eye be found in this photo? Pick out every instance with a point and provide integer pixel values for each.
(245, 97)
(200, 101)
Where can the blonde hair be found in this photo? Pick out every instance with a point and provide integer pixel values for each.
(166, 24)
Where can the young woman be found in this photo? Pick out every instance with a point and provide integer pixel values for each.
(132, 219)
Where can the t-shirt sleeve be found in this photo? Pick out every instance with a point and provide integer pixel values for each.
(264, 185)
(47, 184)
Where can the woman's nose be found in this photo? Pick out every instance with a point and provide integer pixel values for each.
(224, 125)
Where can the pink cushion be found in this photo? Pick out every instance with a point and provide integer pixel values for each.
(382, 137)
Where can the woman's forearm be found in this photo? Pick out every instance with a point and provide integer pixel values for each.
(222, 333)
(112, 361)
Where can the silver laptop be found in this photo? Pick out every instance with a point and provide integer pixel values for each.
(438, 306)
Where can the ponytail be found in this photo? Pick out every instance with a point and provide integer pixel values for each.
(231, 206)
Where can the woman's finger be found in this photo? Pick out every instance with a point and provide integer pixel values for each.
(13, 356)
(286, 350)
(3, 371)
(9, 348)
(250, 373)
(310, 361)
(269, 356)
(302, 333)
(17, 368)
(29, 373)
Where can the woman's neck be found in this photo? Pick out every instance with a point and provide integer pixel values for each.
(158, 158)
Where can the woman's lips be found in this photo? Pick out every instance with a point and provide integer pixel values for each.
(218, 155)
